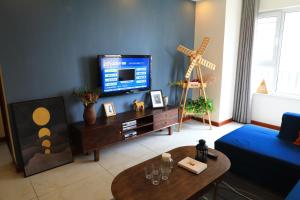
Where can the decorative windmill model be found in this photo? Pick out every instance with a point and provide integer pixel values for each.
(196, 62)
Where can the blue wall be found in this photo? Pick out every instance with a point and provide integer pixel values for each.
(48, 48)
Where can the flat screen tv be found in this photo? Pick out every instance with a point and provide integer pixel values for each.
(121, 74)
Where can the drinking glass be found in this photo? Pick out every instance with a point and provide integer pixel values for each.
(148, 171)
(165, 172)
(156, 176)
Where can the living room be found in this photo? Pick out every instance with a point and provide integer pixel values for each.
(136, 99)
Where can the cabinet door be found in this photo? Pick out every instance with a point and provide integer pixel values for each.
(100, 137)
(165, 119)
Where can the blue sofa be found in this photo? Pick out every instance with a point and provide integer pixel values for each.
(295, 193)
(265, 156)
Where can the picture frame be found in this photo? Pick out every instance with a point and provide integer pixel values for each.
(157, 99)
(42, 133)
(110, 109)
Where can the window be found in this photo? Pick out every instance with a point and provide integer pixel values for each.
(276, 52)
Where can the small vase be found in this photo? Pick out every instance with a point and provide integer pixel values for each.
(89, 114)
(166, 100)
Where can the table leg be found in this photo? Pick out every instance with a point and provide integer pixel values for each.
(170, 130)
(96, 155)
(215, 191)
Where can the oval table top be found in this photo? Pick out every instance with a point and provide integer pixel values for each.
(131, 184)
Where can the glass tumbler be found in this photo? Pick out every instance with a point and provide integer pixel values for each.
(165, 172)
(156, 176)
(148, 171)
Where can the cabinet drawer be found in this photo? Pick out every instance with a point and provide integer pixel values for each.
(95, 139)
(165, 123)
(164, 119)
(170, 114)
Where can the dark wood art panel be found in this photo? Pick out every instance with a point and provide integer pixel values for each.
(6, 119)
(42, 133)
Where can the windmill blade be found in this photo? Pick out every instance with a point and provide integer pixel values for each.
(185, 51)
(193, 63)
(207, 64)
(203, 46)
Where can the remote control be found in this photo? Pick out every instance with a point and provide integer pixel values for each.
(212, 155)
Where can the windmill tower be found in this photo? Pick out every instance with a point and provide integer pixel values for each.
(196, 62)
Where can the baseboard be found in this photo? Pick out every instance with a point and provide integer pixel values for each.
(3, 139)
(265, 125)
(206, 121)
(18, 169)
(225, 122)
(186, 119)
(218, 124)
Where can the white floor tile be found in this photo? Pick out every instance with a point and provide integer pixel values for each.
(92, 188)
(57, 178)
(14, 186)
(89, 180)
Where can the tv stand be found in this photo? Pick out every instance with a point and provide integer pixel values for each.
(108, 131)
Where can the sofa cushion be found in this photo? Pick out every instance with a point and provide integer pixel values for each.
(297, 141)
(295, 193)
(290, 127)
(264, 142)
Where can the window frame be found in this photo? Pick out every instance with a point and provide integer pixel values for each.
(280, 14)
(276, 47)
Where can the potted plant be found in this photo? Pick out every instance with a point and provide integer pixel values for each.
(88, 99)
(199, 106)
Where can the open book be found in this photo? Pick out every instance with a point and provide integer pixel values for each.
(192, 165)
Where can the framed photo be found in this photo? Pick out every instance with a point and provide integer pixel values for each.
(42, 133)
(109, 109)
(157, 98)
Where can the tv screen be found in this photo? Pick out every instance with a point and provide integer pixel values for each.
(124, 73)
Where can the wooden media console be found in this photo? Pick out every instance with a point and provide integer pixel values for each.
(108, 131)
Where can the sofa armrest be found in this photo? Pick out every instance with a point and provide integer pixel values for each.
(295, 193)
(290, 126)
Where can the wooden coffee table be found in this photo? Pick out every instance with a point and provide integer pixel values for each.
(132, 184)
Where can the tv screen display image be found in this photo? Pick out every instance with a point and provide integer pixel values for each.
(124, 73)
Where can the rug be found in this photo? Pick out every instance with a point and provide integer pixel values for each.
(234, 187)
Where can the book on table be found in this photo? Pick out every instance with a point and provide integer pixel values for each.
(192, 165)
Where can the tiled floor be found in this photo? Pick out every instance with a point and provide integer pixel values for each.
(89, 180)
